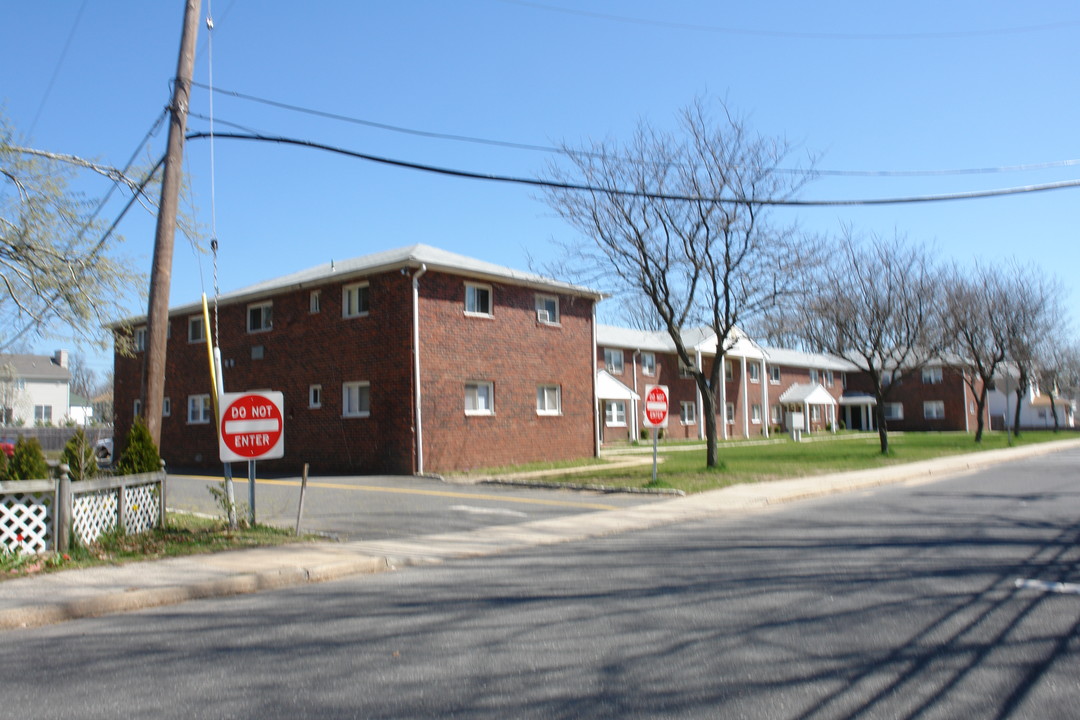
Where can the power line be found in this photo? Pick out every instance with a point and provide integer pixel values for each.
(534, 182)
(557, 150)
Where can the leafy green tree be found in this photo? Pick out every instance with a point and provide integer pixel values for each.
(78, 455)
(28, 462)
(140, 453)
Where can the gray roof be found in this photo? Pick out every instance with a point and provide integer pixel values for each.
(36, 367)
(695, 339)
(800, 359)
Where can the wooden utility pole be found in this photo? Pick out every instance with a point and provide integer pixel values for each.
(161, 273)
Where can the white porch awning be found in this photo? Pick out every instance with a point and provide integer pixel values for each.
(808, 394)
(608, 388)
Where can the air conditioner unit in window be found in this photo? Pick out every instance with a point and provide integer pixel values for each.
(543, 316)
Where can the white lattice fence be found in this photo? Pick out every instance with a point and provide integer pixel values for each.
(93, 513)
(26, 518)
(142, 505)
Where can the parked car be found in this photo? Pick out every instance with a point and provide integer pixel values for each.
(103, 451)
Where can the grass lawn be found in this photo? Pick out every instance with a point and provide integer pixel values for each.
(743, 462)
(183, 535)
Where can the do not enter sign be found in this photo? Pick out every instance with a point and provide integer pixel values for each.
(251, 426)
(656, 406)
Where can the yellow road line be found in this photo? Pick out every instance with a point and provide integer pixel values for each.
(412, 491)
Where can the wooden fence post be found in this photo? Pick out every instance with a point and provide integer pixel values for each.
(63, 510)
(161, 505)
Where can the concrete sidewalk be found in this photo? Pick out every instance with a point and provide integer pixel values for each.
(56, 597)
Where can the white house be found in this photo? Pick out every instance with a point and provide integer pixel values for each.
(34, 389)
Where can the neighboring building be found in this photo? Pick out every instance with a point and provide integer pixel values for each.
(936, 397)
(80, 410)
(34, 389)
(1035, 410)
(403, 361)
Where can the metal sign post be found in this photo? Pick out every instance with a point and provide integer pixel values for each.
(252, 427)
(656, 416)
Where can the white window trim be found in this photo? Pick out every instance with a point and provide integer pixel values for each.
(490, 312)
(729, 371)
(610, 365)
(729, 413)
(138, 338)
(683, 406)
(199, 414)
(490, 410)
(774, 374)
(611, 419)
(932, 376)
(315, 302)
(136, 407)
(927, 404)
(266, 327)
(354, 288)
(541, 300)
(345, 388)
(753, 370)
(755, 414)
(644, 371)
(685, 371)
(541, 400)
(196, 321)
(899, 407)
(166, 407)
(314, 396)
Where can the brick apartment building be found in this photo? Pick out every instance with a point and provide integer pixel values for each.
(503, 361)
(934, 398)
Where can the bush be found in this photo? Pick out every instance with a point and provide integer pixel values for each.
(140, 453)
(28, 462)
(3, 465)
(78, 455)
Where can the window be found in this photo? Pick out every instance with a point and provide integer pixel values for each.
(198, 409)
(314, 396)
(355, 399)
(776, 414)
(615, 413)
(729, 371)
(754, 371)
(478, 398)
(931, 375)
(755, 414)
(43, 414)
(893, 411)
(477, 299)
(548, 400)
(687, 413)
(685, 371)
(815, 413)
(729, 412)
(813, 376)
(774, 374)
(196, 329)
(829, 378)
(166, 407)
(547, 309)
(613, 361)
(1042, 413)
(260, 317)
(355, 300)
(315, 301)
(933, 409)
(139, 338)
(136, 408)
(648, 363)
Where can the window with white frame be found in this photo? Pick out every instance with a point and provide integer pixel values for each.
(314, 396)
(166, 407)
(932, 376)
(729, 413)
(355, 399)
(477, 299)
(815, 413)
(755, 414)
(199, 409)
(548, 400)
(776, 414)
(355, 300)
(139, 338)
(613, 360)
(774, 374)
(687, 413)
(479, 397)
(136, 408)
(813, 376)
(685, 371)
(547, 309)
(933, 409)
(43, 414)
(648, 363)
(829, 378)
(615, 413)
(893, 411)
(753, 370)
(729, 371)
(196, 329)
(260, 317)
(315, 302)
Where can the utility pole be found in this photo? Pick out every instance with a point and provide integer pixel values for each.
(161, 273)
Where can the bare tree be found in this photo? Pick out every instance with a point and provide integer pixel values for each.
(976, 308)
(1058, 373)
(677, 219)
(83, 378)
(1035, 316)
(56, 273)
(877, 305)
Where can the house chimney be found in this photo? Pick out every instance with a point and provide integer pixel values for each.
(61, 358)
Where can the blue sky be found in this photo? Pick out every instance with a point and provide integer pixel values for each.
(861, 86)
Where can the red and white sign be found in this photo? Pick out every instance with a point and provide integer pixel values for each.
(656, 406)
(251, 426)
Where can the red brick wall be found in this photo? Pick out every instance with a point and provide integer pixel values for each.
(511, 349)
(912, 392)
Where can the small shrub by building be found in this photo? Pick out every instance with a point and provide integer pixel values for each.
(28, 462)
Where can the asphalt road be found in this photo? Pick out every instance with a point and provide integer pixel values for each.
(384, 507)
(931, 601)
